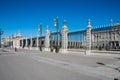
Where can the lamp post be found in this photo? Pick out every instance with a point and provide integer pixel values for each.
(1, 32)
(40, 34)
(57, 27)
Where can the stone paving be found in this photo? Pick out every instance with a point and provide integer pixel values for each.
(102, 66)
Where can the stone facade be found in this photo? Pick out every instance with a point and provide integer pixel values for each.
(101, 37)
(16, 40)
(106, 37)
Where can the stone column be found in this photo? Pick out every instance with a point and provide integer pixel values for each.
(37, 42)
(111, 46)
(115, 36)
(47, 40)
(70, 44)
(115, 45)
(22, 42)
(31, 42)
(108, 38)
(64, 38)
(119, 39)
(88, 39)
(26, 43)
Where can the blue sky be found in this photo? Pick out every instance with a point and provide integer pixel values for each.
(25, 15)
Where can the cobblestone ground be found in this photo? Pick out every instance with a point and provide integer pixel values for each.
(59, 66)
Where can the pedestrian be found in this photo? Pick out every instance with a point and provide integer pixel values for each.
(15, 49)
(51, 48)
(40, 48)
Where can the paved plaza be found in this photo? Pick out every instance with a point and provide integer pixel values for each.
(40, 65)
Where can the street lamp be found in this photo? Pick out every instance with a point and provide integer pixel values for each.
(1, 32)
(40, 34)
(56, 25)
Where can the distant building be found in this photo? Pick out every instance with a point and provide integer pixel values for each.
(13, 41)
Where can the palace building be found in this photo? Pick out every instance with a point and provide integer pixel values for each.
(107, 37)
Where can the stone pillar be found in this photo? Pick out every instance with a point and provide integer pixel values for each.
(70, 44)
(108, 37)
(22, 42)
(37, 42)
(119, 39)
(55, 42)
(115, 45)
(88, 39)
(64, 38)
(115, 36)
(31, 42)
(111, 45)
(47, 40)
(26, 43)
